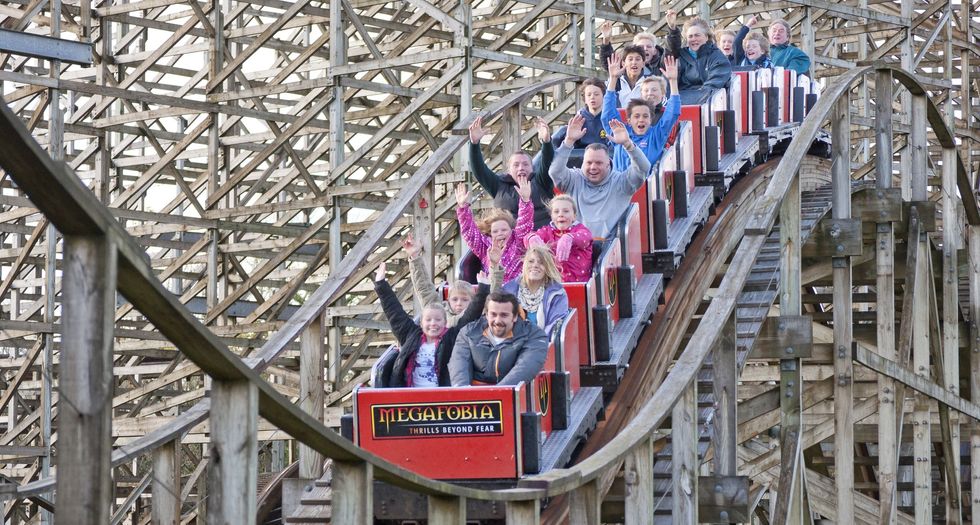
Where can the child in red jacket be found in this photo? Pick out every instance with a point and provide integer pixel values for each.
(569, 240)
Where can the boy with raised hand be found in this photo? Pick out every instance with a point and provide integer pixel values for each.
(649, 138)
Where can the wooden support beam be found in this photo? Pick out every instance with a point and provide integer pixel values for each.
(790, 498)
(447, 510)
(638, 475)
(973, 243)
(353, 492)
(725, 436)
(921, 434)
(885, 302)
(915, 381)
(526, 512)
(510, 132)
(949, 351)
(585, 504)
(311, 391)
(684, 443)
(165, 509)
(84, 417)
(233, 473)
(843, 367)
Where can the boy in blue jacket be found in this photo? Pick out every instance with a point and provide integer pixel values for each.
(650, 138)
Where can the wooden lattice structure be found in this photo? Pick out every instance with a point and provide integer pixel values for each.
(251, 163)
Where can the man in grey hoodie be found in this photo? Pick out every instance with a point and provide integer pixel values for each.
(601, 196)
(500, 348)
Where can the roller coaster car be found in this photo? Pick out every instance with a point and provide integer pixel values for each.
(470, 433)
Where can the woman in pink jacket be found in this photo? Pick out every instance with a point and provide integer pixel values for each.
(569, 240)
(497, 226)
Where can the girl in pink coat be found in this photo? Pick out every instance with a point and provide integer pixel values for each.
(569, 240)
(498, 228)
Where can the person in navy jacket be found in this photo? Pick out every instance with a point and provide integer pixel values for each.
(650, 138)
(592, 90)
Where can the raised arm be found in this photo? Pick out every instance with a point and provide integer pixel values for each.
(610, 110)
(467, 226)
(740, 37)
(425, 289)
(673, 34)
(605, 48)
(525, 211)
(484, 175)
(547, 157)
(559, 171)
(401, 323)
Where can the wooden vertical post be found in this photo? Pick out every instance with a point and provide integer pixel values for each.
(588, 39)
(950, 334)
(790, 501)
(585, 505)
(974, 346)
(447, 511)
(527, 512)
(233, 471)
(353, 492)
(638, 470)
(311, 388)
(85, 414)
(885, 307)
(725, 436)
(684, 443)
(337, 111)
(510, 132)
(921, 428)
(165, 507)
(462, 38)
(843, 365)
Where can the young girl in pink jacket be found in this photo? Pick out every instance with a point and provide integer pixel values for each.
(499, 228)
(569, 240)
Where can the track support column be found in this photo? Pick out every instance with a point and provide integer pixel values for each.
(843, 363)
(684, 442)
(84, 418)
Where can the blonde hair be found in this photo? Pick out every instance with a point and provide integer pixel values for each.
(439, 307)
(658, 79)
(493, 215)
(758, 38)
(564, 197)
(547, 259)
(645, 36)
(698, 21)
(720, 32)
(460, 287)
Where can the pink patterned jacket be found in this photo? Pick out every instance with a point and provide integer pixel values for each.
(512, 259)
(578, 267)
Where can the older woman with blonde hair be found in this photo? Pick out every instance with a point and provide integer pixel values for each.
(701, 66)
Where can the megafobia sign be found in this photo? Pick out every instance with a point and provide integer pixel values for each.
(428, 420)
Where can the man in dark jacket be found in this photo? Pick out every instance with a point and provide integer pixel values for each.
(702, 67)
(499, 349)
(503, 187)
(413, 337)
